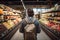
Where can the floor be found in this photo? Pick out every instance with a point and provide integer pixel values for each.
(19, 36)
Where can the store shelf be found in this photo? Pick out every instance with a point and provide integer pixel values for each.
(11, 15)
(10, 33)
(9, 22)
(1, 14)
(53, 35)
(53, 18)
(5, 20)
(53, 11)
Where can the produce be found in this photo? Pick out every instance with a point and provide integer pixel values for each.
(54, 27)
(15, 22)
(10, 23)
(1, 11)
(58, 28)
(20, 19)
(51, 24)
(6, 25)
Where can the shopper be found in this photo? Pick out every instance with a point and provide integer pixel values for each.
(30, 26)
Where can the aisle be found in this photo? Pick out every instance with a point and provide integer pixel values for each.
(41, 36)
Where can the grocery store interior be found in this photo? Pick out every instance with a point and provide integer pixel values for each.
(12, 12)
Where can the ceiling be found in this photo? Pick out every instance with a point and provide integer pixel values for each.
(44, 3)
(30, 2)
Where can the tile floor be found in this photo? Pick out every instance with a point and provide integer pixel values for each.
(40, 36)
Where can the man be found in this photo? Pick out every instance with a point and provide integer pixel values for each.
(30, 35)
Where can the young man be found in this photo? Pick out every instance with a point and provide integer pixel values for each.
(32, 35)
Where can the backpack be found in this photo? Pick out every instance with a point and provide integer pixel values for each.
(30, 25)
(29, 29)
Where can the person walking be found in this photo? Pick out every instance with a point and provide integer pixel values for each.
(30, 26)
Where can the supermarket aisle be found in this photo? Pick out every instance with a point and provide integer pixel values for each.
(41, 36)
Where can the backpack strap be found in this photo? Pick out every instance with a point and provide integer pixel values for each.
(30, 20)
